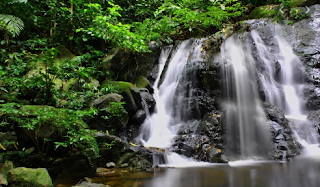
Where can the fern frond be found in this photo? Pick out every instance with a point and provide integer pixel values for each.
(11, 23)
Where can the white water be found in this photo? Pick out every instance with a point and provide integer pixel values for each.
(247, 132)
(172, 106)
(282, 79)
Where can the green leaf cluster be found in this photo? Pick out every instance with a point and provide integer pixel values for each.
(50, 127)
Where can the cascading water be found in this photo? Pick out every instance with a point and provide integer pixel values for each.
(172, 99)
(282, 76)
(247, 132)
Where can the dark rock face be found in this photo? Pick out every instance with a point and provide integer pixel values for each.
(124, 154)
(284, 146)
(201, 140)
(127, 66)
(314, 118)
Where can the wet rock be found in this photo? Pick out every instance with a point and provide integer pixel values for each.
(304, 37)
(27, 177)
(147, 100)
(201, 140)
(114, 149)
(314, 118)
(140, 116)
(89, 184)
(312, 92)
(284, 145)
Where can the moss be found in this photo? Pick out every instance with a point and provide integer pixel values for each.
(300, 3)
(71, 83)
(120, 86)
(64, 53)
(27, 177)
(141, 82)
(267, 11)
(7, 166)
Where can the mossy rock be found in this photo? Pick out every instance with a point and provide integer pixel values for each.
(70, 84)
(73, 84)
(103, 101)
(64, 53)
(58, 83)
(266, 11)
(122, 87)
(298, 3)
(141, 82)
(4, 170)
(26, 177)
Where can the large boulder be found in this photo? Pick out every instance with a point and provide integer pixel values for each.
(124, 154)
(71, 169)
(201, 140)
(284, 145)
(27, 177)
(129, 66)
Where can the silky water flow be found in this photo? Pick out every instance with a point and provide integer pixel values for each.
(247, 131)
(283, 83)
(172, 101)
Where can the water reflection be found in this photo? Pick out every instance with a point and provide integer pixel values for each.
(299, 173)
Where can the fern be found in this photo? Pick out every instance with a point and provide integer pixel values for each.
(11, 24)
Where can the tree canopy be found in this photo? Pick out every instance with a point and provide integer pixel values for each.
(128, 24)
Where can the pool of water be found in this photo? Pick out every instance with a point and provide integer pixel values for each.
(302, 172)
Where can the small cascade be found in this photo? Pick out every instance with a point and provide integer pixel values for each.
(247, 132)
(282, 76)
(172, 96)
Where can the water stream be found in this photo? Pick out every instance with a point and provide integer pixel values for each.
(246, 60)
(247, 132)
(172, 100)
(282, 79)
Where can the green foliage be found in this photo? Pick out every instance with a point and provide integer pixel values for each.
(11, 24)
(297, 14)
(105, 26)
(46, 130)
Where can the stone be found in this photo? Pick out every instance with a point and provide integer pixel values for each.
(90, 184)
(284, 145)
(4, 170)
(140, 116)
(103, 101)
(266, 11)
(110, 165)
(28, 177)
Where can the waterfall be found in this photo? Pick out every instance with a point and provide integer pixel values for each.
(172, 96)
(282, 76)
(247, 132)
